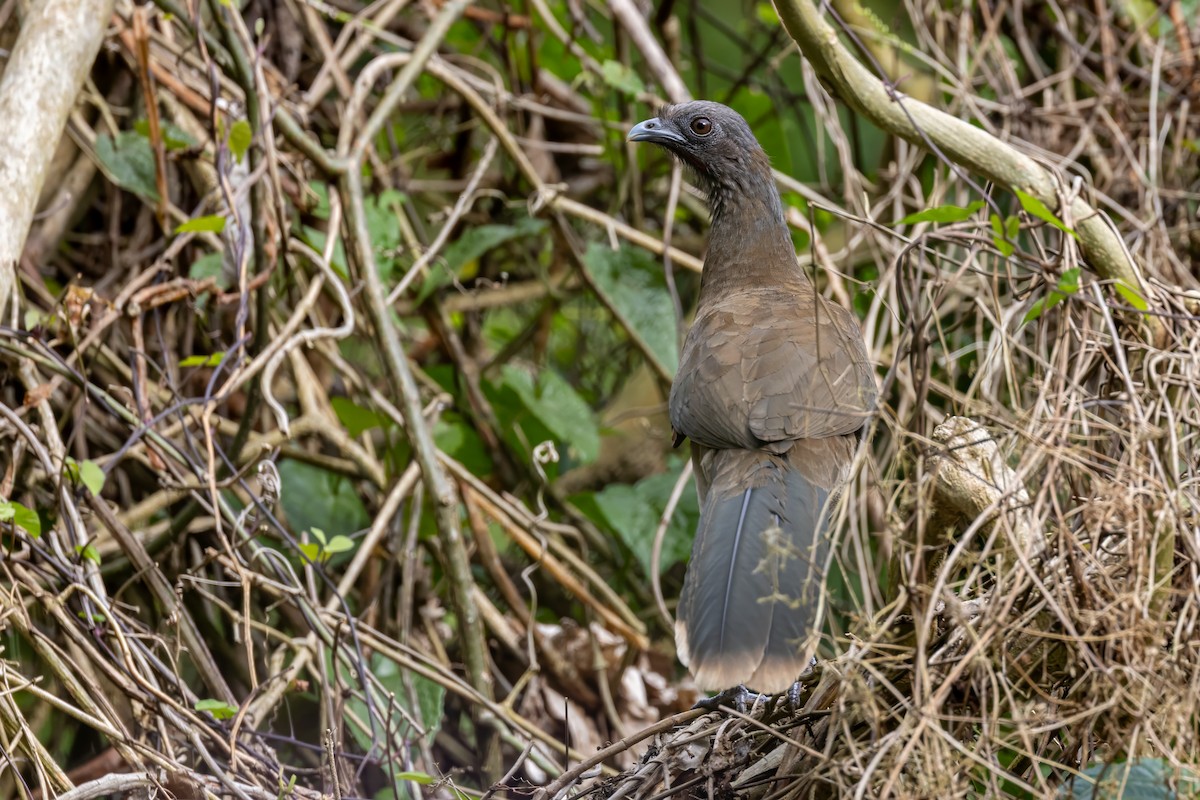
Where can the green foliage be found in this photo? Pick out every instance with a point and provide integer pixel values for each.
(128, 160)
(1005, 233)
(1068, 285)
(203, 361)
(88, 552)
(1037, 208)
(461, 255)
(356, 419)
(457, 438)
(218, 708)
(325, 547)
(633, 513)
(88, 473)
(211, 265)
(13, 512)
(941, 214)
(173, 137)
(1139, 779)
(240, 137)
(632, 280)
(214, 223)
(316, 498)
(554, 405)
(621, 77)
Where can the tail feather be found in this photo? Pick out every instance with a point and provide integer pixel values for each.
(748, 611)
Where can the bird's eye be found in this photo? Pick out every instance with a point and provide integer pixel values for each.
(702, 126)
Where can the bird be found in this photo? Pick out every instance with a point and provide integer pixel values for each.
(774, 390)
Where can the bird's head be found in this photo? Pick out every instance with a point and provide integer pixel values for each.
(717, 144)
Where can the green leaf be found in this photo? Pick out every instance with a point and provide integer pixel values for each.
(89, 552)
(382, 210)
(89, 473)
(14, 512)
(311, 550)
(457, 439)
(208, 266)
(1068, 284)
(240, 137)
(355, 418)
(316, 498)
(633, 281)
(339, 544)
(633, 512)
(948, 213)
(129, 160)
(1001, 230)
(428, 711)
(1037, 208)
(621, 78)
(203, 361)
(218, 708)
(214, 223)
(1131, 295)
(1139, 779)
(415, 777)
(558, 407)
(461, 255)
(173, 137)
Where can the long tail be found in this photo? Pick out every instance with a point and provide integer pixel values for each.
(748, 611)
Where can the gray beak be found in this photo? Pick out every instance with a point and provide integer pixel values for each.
(656, 131)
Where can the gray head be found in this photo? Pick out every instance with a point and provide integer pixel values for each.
(717, 144)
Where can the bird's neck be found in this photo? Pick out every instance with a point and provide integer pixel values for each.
(749, 243)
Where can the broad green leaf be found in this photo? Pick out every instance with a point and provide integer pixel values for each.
(428, 711)
(203, 361)
(207, 266)
(91, 475)
(948, 213)
(240, 137)
(632, 279)
(459, 257)
(218, 708)
(621, 77)
(355, 418)
(456, 438)
(1139, 779)
(129, 160)
(214, 223)
(88, 552)
(339, 544)
(1038, 209)
(1131, 295)
(558, 407)
(16, 513)
(633, 512)
(311, 550)
(316, 498)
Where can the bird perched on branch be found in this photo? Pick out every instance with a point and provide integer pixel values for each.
(773, 388)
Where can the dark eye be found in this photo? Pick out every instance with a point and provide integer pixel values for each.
(701, 126)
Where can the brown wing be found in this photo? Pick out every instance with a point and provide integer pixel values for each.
(764, 367)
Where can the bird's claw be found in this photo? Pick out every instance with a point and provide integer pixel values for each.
(739, 698)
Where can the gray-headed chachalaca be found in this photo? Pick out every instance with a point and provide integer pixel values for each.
(774, 386)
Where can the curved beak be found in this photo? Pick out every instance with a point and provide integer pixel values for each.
(656, 131)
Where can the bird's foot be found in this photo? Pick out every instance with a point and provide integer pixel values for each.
(791, 699)
(739, 698)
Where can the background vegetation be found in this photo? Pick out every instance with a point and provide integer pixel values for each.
(335, 459)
